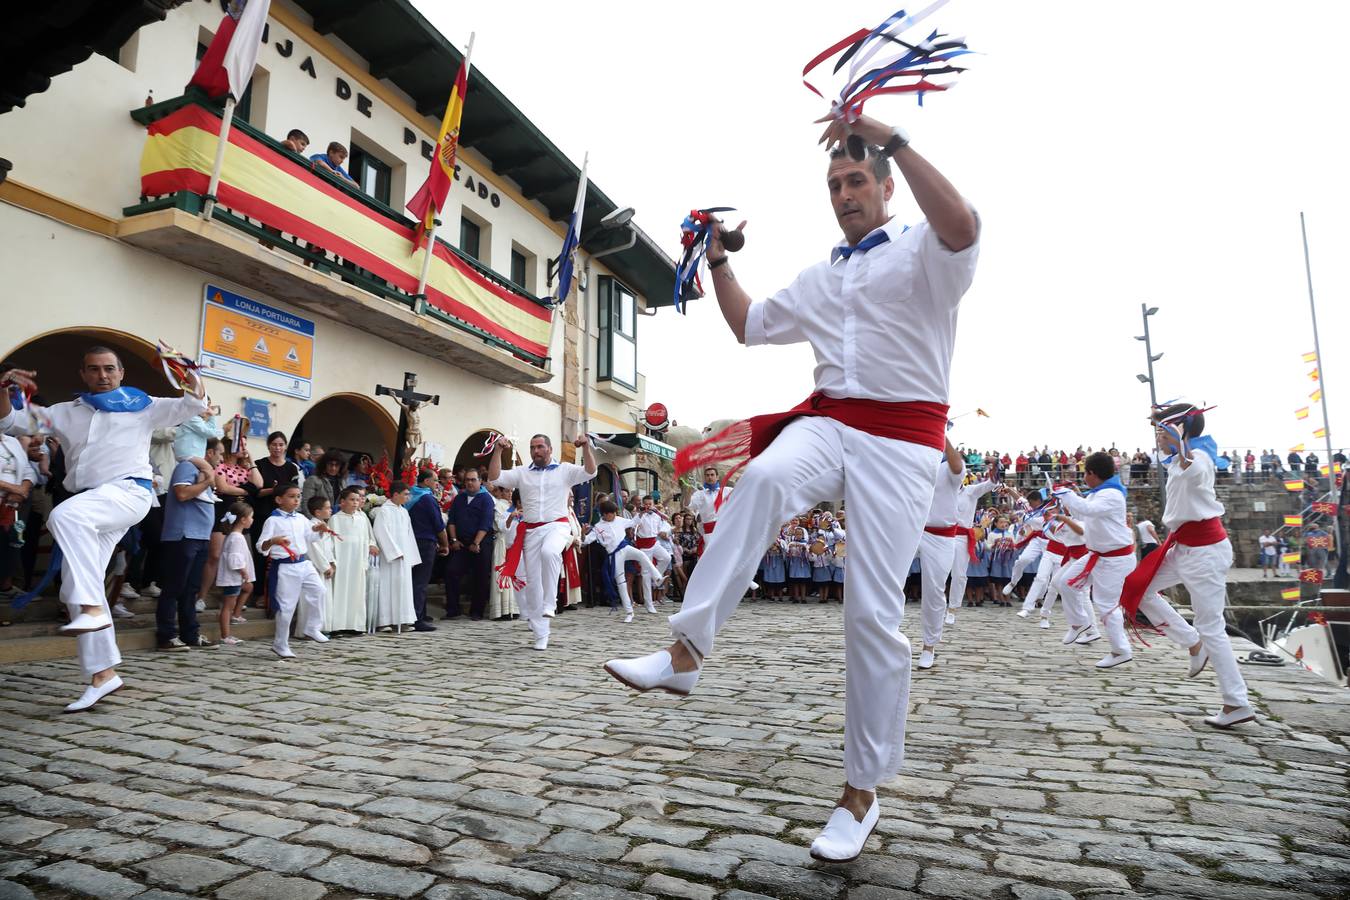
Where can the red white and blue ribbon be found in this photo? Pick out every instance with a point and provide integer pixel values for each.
(694, 232)
(177, 366)
(880, 62)
(490, 444)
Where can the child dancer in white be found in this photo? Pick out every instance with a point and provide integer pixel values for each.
(1197, 554)
(284, 540)
(1033, 543)
(936, 551)
(611, 531)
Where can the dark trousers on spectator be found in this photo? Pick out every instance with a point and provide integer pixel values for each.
(421, 577)
(477, 567)
(146, 564)
(176, 611)
(31, 533)
(9, 555)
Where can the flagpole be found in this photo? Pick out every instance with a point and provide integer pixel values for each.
(1322, 384)
(430, 248)
(227, 119)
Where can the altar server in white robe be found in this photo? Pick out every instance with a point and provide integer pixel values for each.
(398, 555)
(502, 600)
(353, 544)
(321, 543)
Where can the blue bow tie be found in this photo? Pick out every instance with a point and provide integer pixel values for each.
(867, 243)
(536, 468)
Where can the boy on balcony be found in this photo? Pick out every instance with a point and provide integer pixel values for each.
(333, 160)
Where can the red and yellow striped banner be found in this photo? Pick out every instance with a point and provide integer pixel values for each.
(1293, 485)
(1319, 432)
(1293, 521)
(1301, 413)
(1310, 357)
(1315, 395)
(1290, 558)
(1297, 448)
(262, 184)
(1289, 593)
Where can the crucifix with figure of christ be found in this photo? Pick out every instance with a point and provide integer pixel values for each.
(409, 419)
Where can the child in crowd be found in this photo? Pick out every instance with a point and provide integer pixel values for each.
(235, 574)
(774, 568)
(1001, 543)
(322, 555)
(798, 564)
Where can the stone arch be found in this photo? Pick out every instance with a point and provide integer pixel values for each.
(55, 355)
(350, 423)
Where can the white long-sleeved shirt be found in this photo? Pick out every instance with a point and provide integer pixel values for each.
(545, 494)
(854, 312)
(103, 447)
(15, 466)
(649, 524)
(942, 509)
(609, 533)
(968, 499)
(1102, 515)
(287, 525)
(1190, 492)
(703, 503)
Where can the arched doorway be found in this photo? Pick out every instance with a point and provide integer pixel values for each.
(350, 423)
(468, 457)
(56, 357)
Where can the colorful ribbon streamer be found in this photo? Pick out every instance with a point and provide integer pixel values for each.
(694, 232)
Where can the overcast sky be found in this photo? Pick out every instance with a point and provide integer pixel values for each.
(1117, 153)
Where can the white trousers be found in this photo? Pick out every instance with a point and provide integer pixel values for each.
(1045, 572)
(956, 591)
(88, 527)
(542, 565)
(1105, 581)
(1077, 606)
(296, 583)
(660, 560)
(1030, 555)
(935, 564)
(888, 489)
(1203, 570)
(646, 568)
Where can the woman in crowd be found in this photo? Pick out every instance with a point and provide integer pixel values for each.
(327, 480)
(686, 537)
(798, 563)
(977, 569)
(237, 479)
(358, 471)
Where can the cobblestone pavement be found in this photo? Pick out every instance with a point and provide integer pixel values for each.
(462, 764)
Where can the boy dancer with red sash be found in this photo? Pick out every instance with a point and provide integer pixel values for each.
(707, 502)
(880, 315)
(936, 551)
(1197, 554)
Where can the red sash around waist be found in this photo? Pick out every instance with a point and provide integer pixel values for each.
(506, 572)
(941, 530)
(969, 534)
(1081, 579)
(644, 543)
(1076, 551)
(918, 422)
(1188, 534)
(1056, 548)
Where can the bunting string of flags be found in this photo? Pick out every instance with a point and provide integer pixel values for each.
(1290, 593)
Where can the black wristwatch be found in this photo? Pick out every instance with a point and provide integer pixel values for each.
(720, 261)
(899, 140)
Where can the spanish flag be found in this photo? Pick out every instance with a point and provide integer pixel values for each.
(1320, 433)
(1315, 395)
(430, 198)
(1310, 357)
(1315, 374)
(1289, 593)
(1301, 413)
(1293, 485)
(1293, 521)
(1297, 448)
(1290, 558)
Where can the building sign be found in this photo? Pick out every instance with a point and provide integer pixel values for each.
(254, 344)
(259, 415)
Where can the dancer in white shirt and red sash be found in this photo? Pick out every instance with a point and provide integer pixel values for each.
(935, 553)
(1197, 554)
(534, 559)
(105, 434)
(706, 503)
(963, 552)
(880, 315)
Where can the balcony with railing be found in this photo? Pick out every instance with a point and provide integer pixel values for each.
(288, 229)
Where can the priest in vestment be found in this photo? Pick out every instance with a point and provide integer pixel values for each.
(398, 556)
(351, 558)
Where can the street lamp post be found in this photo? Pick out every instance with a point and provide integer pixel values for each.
(1152, 383)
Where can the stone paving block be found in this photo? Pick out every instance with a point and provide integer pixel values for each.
(661, 830)
(1063, 873)
(753, 846)
(91, 845)
(679, 859)
(270, 886)
(586, 845)
(667, 886)
(17, 830)
(366, 843)
(195, 835)
(12, 890)
(500, 829)
(875, 892)
(961, 885)
(467, 891)
(368, 877)
(261, 824)
(516, 880)
(407, 808)
(426, 835)
(276, 856)
(790, 881)
(586, 818)
(78, 878)
(189, 872)
(576, 890)
(584, 870)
